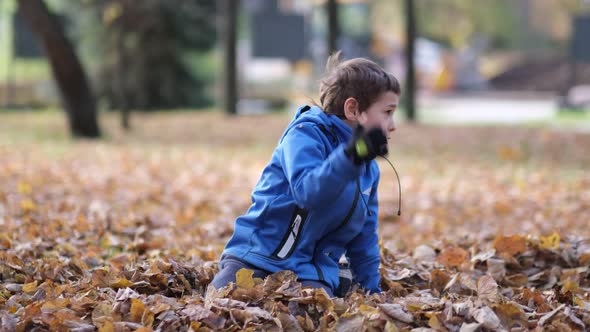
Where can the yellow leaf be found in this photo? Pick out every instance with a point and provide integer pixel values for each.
(106, 326)
(435, 323)
(27, 205)
(367, 309)
(390, 327)
(121, 283)
(5, 241)
(549, 242)
(24, 188)
(244, 278)
(136, 311)
(147, 319)
(30, 287)
(581, 303)
(323, 301)
(570, 286)
(414, 307)
(54, 305)
(144, 329)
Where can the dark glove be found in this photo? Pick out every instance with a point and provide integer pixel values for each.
(366, 145)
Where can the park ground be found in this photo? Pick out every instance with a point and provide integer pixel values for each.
(124, 232)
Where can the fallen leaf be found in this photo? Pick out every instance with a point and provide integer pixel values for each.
(30, 287)
(439, 279)
(550, 241)
(396, 311)
(510, 313)
(350, 323)
(137, 310)
(486, 317)
(547, 317)
(487, 288)
(510, 245)
(244, 278)
(452, 257)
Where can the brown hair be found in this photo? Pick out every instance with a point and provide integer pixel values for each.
(359, 78)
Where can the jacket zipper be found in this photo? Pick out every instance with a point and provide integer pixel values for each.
(342, 224)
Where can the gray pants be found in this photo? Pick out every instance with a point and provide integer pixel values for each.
(229, 265)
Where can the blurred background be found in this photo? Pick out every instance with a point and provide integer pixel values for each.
(189, 98)
(505, 61)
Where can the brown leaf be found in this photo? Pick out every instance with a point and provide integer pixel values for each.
(253, 294)
(510, 245)
(516, 280)
(137, 310)
(102, 317)
(510, 313)
(439, 279)
(487, 288)
(452, 257)
(486, 317)
(350, 323)
(101, 277)
(289, 322)
(322, 300)
(547, 317)
(201, 314)
(396, 311)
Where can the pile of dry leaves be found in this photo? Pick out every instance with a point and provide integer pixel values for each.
(126, 238)
(517, 284)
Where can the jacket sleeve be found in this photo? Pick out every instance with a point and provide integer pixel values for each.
(363, 250)
(315, 177)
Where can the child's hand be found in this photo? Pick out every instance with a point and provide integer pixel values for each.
(366, 145)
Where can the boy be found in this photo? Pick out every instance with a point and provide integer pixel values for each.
(317, 198)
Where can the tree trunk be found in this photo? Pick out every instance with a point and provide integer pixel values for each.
(123, 101)
(68, 73)
(410, 88)
(333, 26)
(229, 22)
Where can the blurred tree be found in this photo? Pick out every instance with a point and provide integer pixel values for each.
(333, 25)
(410, 88)
(141, 49)
(77, 98)
(230, 21)
(508, 24)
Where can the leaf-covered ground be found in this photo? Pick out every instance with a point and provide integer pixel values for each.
(125, 234)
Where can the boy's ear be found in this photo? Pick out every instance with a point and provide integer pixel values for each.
(351, 109)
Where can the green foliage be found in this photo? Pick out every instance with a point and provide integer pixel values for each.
(138, 50)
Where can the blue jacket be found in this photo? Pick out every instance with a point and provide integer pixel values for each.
(311, 205)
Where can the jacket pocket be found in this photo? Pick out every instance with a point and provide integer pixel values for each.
(292, 236)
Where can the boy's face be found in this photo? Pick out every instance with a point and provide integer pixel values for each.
(380, 113)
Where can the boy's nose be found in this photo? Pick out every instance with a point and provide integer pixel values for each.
(392, 126)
